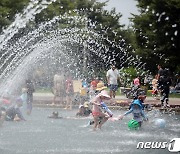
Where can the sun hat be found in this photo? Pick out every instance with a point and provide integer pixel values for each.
(100, 86)
(104, 93)
(86, 104)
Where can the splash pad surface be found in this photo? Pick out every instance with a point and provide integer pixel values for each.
(40, 135)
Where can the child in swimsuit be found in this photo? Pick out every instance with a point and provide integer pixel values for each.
(96, 110)
(137, 111)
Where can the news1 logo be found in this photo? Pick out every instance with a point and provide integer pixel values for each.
(173, 145)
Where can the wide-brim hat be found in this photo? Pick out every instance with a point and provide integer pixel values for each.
(86, 104)
(104, 93)
(100, 86)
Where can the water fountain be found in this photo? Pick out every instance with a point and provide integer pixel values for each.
(47, 47)
(69, 44)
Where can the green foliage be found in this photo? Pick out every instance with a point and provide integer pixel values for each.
(8, 9)
(129, 73)
(156, 31)
(127, 76)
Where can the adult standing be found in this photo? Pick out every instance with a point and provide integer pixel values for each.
(59, 87)
(160, 76)
(30, 90)
(165, 81)
(69, 91)
(112, 79)
(2, 115)
(160, 72)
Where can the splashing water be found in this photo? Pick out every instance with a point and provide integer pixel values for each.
(52, 45)
(71, 48)
(58, 136)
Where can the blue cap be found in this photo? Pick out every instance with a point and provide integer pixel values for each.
(137, 102)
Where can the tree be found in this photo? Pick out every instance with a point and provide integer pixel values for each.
(112, 41)
(157, 33)
(105, 24)
(9, 9)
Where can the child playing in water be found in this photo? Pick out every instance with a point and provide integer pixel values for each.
(140, 99)
(84, 110)
(136, 109)
(13, 113)
(155, 87)
(96, 110)
(101, 87)
(55, 115)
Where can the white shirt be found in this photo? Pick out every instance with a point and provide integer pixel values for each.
(58, 78)
(113, 76)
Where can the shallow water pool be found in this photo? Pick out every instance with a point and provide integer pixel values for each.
(71, 135)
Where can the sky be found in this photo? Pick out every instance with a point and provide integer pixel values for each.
(125, 7)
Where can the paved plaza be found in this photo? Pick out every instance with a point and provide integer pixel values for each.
(46, 98)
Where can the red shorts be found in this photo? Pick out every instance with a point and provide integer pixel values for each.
(154, 92)
(96, 113)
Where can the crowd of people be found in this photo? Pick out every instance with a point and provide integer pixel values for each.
(99, 93)
(160, 85)
(11, 108)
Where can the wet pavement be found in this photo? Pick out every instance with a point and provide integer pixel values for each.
(72, 135)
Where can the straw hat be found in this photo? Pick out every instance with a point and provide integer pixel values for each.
(104, 93)
(100, 86)
(86, 104)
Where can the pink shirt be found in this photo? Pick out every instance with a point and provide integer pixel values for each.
(136, 82)
(96, 104)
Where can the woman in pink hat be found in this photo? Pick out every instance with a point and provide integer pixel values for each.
(96, 109)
